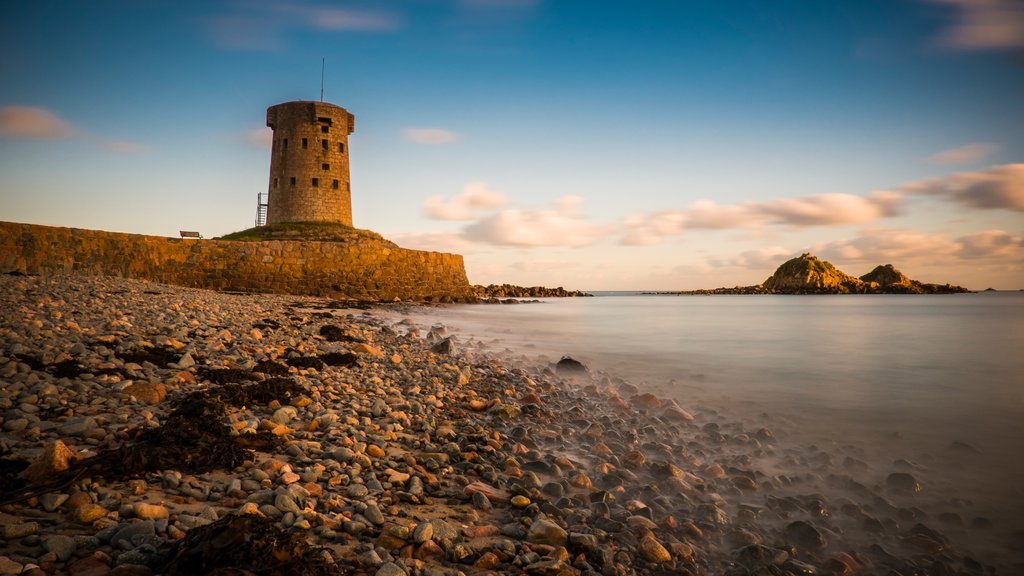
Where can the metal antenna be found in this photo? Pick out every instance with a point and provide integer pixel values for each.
(323, 63)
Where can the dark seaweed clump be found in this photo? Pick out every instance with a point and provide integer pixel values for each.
(247, 545)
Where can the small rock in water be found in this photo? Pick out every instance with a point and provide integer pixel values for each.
(547, 532)
(653, 551)
(445, 347)
(903, 482)
(570, 366)
(803, 535)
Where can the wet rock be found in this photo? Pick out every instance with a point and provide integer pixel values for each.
(903, 482)
(444, 347)
(804, 536)
(570, 366)
(17, 531)
(652, 550)
(544, 531)
(63, 546)
(89, 566)
(390, 569)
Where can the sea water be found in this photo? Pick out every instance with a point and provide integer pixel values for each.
(934, 380)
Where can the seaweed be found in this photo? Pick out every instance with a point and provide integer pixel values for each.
(247, 545)
(306, 362)
(333, 333)
(270, 368)
(339, 359)
(157, 356)
(225, 375)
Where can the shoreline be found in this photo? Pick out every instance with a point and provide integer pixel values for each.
(402, 460)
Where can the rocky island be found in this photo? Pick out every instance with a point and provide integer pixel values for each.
(807, 274)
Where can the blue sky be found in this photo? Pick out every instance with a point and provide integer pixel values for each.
(591, 144)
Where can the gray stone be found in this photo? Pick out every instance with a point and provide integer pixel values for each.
(63, 546)
(390, 569)
(357, 491)
(546, 532)
(374, 515)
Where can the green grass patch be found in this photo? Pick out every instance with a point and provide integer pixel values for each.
(318, 231)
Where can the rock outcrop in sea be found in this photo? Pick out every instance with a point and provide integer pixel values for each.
(808, 274)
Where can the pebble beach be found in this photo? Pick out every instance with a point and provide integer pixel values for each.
(155, 429)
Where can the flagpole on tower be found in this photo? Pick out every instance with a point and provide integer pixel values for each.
(323, 62)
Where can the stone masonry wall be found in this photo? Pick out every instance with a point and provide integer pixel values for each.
(365, 269)
(309, 163)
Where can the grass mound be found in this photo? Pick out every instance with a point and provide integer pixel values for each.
(318, 231)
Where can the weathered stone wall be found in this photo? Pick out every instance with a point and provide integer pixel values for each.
(366, 268)
(309, 169)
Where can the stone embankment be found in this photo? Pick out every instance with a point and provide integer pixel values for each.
(364, 268)
(153, 429)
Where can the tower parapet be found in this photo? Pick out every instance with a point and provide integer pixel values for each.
(309, 169)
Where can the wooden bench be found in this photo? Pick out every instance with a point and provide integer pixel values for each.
(190, 234)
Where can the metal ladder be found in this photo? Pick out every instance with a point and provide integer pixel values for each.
(261, 209)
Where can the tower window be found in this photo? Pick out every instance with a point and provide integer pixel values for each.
(334, 184)
(341, 147)
(316, 182)
(275, 182)
(284, 144)
(292, 182)
(324, 144)
(325, 129)
(305, 143)
(325, 167)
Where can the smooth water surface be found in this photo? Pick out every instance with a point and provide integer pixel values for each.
(937, 379)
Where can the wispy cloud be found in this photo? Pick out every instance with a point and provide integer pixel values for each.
(562, 225)
(999, 187)
(801, 212)
(964, 154)
(260, 137)
(476, 197)
(767, 258)
(499, 4)
(263, 25)
(434, 242)
(903, 246)
(429, 135)
(984, 25)
(126, 147)
(34, 122)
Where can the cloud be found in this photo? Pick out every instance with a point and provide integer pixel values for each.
(561, 226)
(260, 137)
(499, 4)
(964, 154)
(802, 212)
(999, 187)
(33, 122)
(429, 135)
(474, 198)
(905, 247)
(985, 25)
(263, 25)
(125, 147)
(990, 244)
(452, 242)
(326, 18)
(768, 257)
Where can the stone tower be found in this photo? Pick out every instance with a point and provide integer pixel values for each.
(309, 179)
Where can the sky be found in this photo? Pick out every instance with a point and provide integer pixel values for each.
(590, 144)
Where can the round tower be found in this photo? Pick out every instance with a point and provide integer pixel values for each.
(309, 179)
